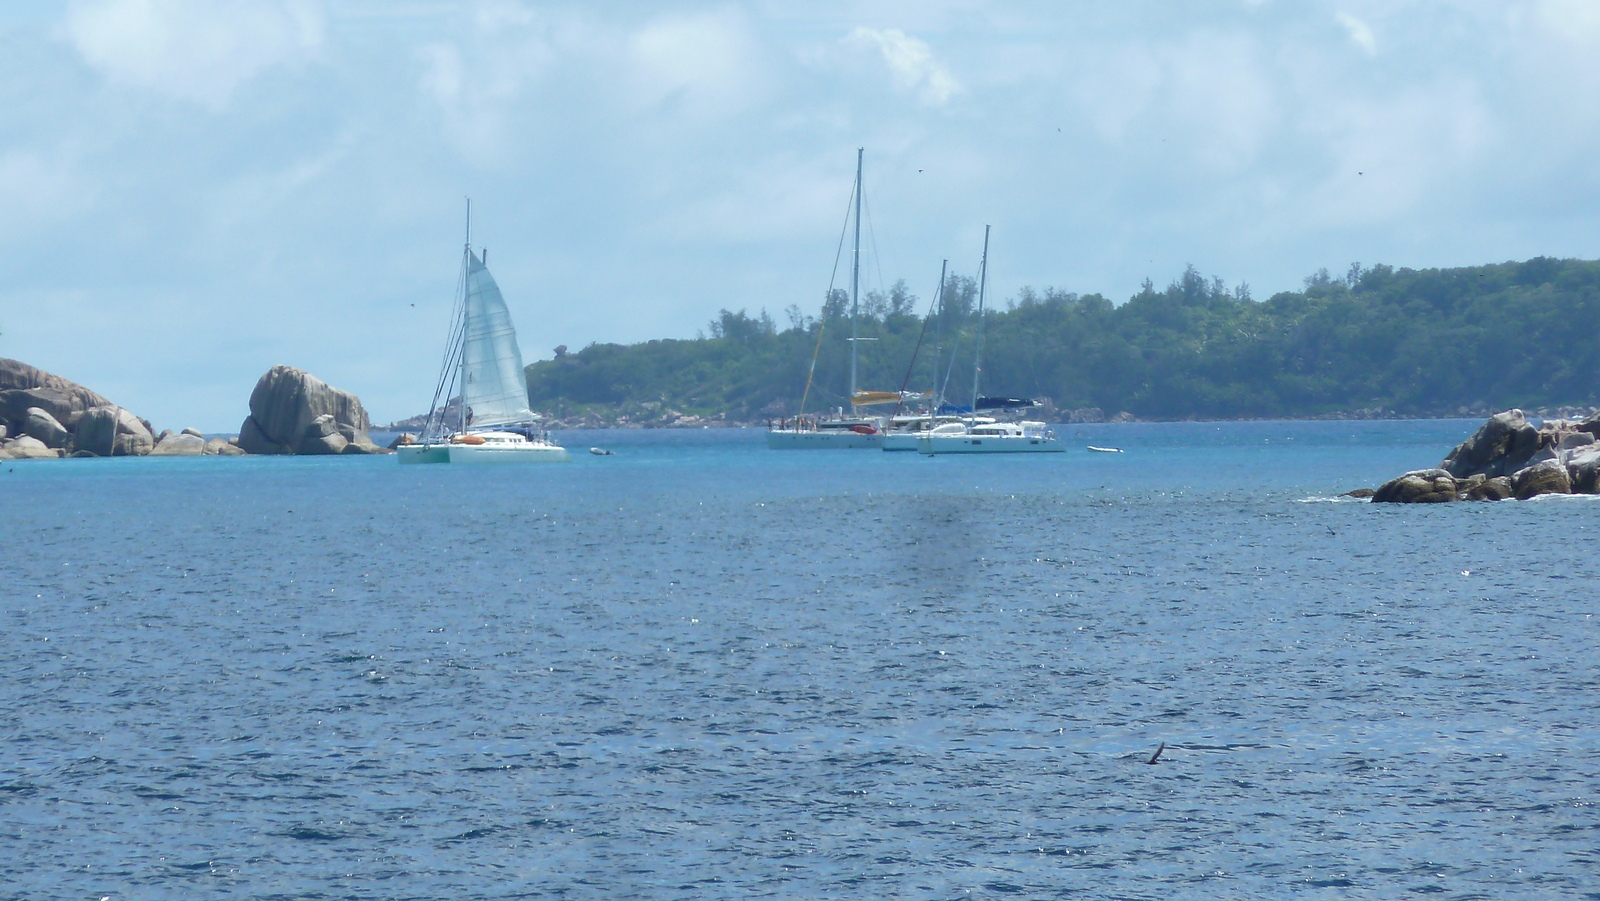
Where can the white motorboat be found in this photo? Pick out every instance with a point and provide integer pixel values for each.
(1024, 437)
(905, 431)
(483, 362)
(980, 434)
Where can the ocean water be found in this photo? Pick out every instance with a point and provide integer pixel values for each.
(702, 669)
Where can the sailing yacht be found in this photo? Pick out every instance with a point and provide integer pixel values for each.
(482, 361)
(986, 435)
(856, 431)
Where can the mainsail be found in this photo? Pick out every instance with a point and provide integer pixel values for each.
(494, 388)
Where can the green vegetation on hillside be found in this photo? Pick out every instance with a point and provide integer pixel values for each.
(1401, 341)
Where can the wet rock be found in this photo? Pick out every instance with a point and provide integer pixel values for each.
(1424, 486)
(1548, 477)
(1583, 469)
(1362, 493)
(1495, 489)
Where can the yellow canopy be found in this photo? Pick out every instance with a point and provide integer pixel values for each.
(870, 398)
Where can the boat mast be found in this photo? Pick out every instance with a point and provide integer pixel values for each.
(977, 353)
(466, 291)
(855, 281)
(938, 326)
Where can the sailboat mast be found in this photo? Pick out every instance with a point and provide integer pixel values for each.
(855, 281)
(977, 353)
(938, 327)
(466, 291)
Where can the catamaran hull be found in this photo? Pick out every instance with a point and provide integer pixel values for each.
(423, 453)
(783, 439)
(988, 444)
(480, 453)
(899, 442)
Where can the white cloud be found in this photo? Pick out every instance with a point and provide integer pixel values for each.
(194, 50)
(1575, 20)
(479, 81)
(38, 187)
(1209, 94)
(1360, 33)
(911, 63)
(707, 64)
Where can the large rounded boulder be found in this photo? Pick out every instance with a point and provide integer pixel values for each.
(293, 411)
(113, 432)
(39, 424)
(1548, 477)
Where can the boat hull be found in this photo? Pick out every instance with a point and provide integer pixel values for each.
(988, 444)
(841, 439)
(900, 441)
(481, 453)
(423, 453)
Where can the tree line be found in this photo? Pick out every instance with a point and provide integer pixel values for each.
(1377, 340)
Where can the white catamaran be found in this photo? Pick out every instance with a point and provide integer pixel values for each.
(491, 420)
(839, 431)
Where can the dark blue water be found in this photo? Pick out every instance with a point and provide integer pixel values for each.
(702, 669)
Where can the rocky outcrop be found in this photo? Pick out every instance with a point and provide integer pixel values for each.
(1423, 486)
(63, 416)
(1507, 457)
(1500, 447)
(294, 412)
(18, 376)
(221, 447)
(1548, 477)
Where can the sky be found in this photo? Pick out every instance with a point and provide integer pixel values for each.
(192, 191)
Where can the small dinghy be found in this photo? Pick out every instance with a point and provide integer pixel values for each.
(1105, 450)
(601, 452)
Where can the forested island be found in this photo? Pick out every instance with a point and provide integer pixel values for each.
(1377, 342)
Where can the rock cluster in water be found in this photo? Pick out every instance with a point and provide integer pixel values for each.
(44, 416)
(294, 412)
(1508, 458)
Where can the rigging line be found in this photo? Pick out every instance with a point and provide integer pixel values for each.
(822, 321)
(955, 344)
(872, 242)
(453, 341)
(912, 365)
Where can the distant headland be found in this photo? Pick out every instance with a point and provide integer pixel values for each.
(1375, 343)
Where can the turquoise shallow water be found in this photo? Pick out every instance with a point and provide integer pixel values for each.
(702, 669)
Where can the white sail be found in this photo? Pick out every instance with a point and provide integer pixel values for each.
(494, 387)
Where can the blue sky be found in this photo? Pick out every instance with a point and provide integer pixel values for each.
(194, 190)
